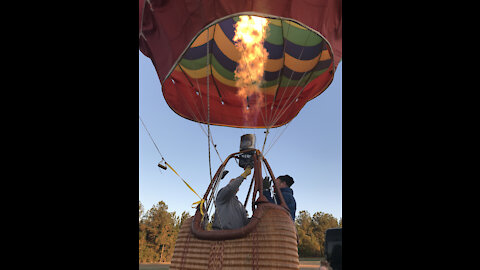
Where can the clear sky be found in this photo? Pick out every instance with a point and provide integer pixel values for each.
(309, 150)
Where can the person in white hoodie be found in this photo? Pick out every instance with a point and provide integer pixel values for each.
(229, 211)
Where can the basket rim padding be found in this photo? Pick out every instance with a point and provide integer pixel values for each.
(217, 235)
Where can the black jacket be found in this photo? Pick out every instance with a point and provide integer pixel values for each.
(287, 196)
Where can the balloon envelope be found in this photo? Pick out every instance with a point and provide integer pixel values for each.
(200, 83)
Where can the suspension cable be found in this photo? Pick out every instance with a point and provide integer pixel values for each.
(276, 116)
(194, 115)
(144, 126)
(277, 137)
(208, 102)
(267, 131)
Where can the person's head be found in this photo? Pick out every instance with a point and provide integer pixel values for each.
(285, 181)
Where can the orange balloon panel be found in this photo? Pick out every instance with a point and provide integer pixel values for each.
(221, 79)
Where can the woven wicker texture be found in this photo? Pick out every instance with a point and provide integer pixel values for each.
(271, 245)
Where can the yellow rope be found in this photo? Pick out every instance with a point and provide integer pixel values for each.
(163, 159)
(195, 203)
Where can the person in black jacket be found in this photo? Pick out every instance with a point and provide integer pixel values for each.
(284, 183)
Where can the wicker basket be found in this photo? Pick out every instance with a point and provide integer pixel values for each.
(272, 244)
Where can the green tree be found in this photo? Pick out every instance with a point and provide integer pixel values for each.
(311, 232)
(142, 242)
(181, 219)
(158, 231)
(321, 222)
(140, 211)
(308, 245)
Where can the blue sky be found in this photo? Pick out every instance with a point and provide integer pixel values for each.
(309, 150)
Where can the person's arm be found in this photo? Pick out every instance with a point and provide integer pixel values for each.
(230, 190)
(293, 208)
(291, 203)
(268, 195)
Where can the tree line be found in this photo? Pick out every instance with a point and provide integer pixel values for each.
(158, 230)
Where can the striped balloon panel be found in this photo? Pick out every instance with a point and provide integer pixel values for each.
(299, 67)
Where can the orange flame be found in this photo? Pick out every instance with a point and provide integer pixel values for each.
(250, 33)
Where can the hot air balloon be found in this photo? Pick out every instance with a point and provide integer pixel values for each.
(211, 74)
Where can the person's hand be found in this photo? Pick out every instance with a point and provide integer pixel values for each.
(266, 182)
(247, 172)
